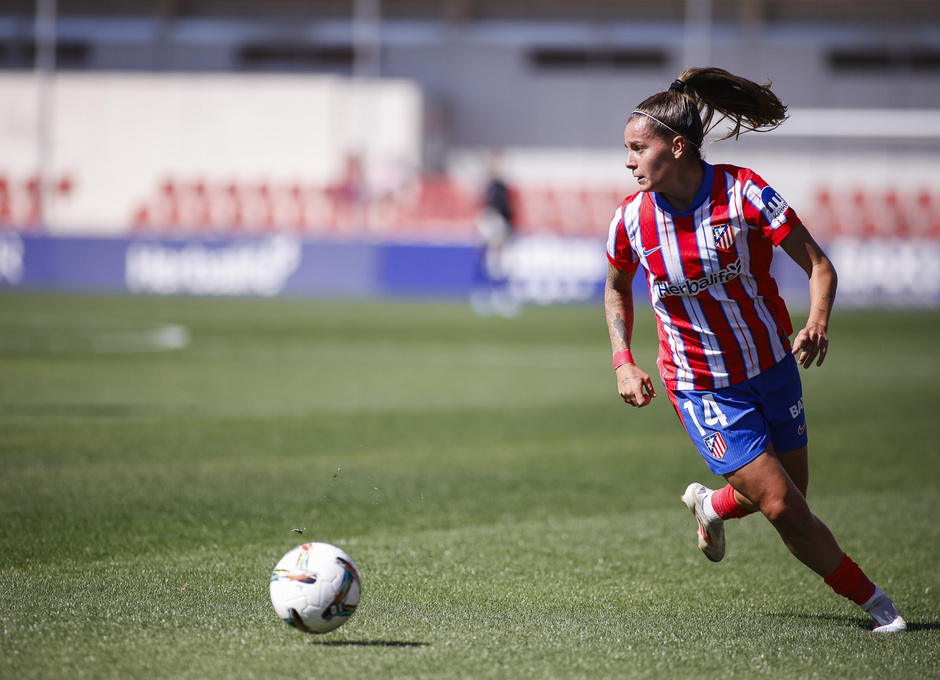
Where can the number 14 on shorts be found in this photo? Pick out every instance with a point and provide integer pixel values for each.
(711, 445)
(711, 411)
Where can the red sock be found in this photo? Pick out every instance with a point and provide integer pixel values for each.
(725, 506)
(850, 582)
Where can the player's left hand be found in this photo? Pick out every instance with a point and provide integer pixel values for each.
(811, 342)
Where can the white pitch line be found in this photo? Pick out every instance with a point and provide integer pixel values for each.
(163, 339)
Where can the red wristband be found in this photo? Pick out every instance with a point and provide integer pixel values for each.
(622, 357)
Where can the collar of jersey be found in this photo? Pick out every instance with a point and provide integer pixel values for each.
(703, 192)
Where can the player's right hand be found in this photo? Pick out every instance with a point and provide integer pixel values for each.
(634, 385)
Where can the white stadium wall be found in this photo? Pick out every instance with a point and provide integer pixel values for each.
(117, 138)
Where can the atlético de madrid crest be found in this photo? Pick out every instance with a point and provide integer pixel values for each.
(724, 236)
(716, 445)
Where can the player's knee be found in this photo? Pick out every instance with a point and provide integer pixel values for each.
(785, 511)
(774, 509)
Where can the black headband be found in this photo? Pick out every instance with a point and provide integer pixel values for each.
(677, 86)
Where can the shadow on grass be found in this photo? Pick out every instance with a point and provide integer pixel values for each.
(917, 627)
(367, 643)
(847, 621)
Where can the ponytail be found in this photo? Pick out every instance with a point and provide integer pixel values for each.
(690, 105)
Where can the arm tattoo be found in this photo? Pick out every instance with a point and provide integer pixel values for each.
(620, 327)
(618, 306)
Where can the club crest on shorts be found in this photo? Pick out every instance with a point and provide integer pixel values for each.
(724, 236)
(715, 444)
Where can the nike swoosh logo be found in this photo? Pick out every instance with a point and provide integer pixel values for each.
(650, 251)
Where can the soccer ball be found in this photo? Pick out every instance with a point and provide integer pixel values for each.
(315, 587)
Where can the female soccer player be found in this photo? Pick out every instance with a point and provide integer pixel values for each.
(704, 235)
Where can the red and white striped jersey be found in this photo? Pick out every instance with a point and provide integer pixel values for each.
(720, 317)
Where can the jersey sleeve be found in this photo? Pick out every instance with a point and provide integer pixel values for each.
(620, 252)
(765, 208)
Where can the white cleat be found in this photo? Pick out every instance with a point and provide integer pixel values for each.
(885, 614)
(898, 625)
(711, 533)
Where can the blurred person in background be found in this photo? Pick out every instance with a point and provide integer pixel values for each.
(495, 227)
(349, 194)
(704, 234)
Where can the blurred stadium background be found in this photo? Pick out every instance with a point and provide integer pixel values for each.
(340, 148)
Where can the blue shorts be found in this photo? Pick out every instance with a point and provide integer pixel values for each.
(733, 425)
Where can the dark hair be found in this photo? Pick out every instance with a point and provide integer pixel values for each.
(689, 106)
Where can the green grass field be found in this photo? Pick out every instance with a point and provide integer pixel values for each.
(510, 516)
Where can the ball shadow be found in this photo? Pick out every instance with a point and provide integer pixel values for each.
(367, 643)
